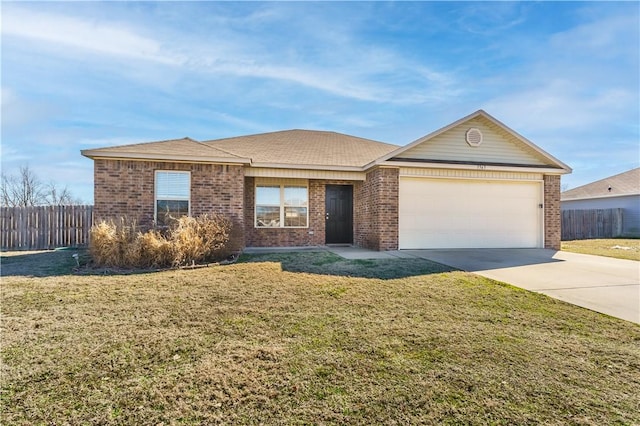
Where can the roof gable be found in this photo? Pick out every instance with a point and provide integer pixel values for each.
(627, 183)
(185, 149)
(500, 146)
(304, 148)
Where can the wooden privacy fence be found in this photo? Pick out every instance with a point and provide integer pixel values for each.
(594, 223)
(45, 227)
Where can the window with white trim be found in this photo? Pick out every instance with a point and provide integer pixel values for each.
(282, 206)
(172, 196)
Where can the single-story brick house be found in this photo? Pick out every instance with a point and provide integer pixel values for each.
(473, 183)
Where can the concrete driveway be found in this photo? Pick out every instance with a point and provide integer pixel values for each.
(602, 284)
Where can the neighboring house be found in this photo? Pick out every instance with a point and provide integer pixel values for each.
(620, 191)
(473, 183)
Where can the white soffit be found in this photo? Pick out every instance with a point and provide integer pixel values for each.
(303, 174)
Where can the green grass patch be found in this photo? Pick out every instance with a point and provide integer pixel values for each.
(308, 338)
(621, 248)
(42, 263)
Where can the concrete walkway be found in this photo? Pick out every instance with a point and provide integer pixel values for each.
(603, 284)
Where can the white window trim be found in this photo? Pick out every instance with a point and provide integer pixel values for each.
(155, 192)
(280, 183)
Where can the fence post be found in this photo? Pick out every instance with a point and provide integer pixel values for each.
(617, 223)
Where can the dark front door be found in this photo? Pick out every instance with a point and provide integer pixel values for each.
(339, 214)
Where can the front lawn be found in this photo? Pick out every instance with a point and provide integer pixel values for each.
(613, 247)
(305, 338)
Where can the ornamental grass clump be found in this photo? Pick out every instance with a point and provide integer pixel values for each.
(198, 239)
(114, 244)
(188, 241)
(155, 250)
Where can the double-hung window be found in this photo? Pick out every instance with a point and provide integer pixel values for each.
(282, 205)
(172, 191)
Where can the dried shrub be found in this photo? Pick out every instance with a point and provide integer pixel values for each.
(189, 241)
(200, 239)
(155, 250)
(114, 243)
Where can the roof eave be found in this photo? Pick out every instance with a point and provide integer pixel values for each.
(162, 157)
(505, 168)
(598, 197)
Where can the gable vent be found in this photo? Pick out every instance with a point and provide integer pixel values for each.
(474, 136)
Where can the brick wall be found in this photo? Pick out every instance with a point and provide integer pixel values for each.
(552, 219)
(376, 211)
(124, 188)
(314, 235)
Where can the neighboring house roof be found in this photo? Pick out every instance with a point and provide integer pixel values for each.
(307, 148)
(627, 183)
(185, 149)
(429, 148)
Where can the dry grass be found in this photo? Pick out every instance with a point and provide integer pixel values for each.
(199, 239)
(115, 243)
(190, 240)
(613, 247)
(306, 339)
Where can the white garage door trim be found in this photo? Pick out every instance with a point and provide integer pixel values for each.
(470, 213)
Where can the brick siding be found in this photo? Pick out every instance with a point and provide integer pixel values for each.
(552, 219)
(124, 188)
(376, 210)
(314, 235)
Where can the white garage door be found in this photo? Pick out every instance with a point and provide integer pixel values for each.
(444, 213)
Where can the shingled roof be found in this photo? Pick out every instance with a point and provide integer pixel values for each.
(288, 148)
(306, 148)
(174, 149)
(627, 183)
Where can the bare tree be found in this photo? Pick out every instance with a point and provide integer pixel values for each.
(55, 196)
(26, 189)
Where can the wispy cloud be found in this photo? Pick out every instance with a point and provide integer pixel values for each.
(363, 77)
(10, 154)
(18, 111)
(601, 36)
(490, 18)
(560, 105)
(583, 79)
(94, 36)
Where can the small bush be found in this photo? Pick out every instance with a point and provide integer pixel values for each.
(155, 250)
(114, 243)
(190, 240)
(200, 239)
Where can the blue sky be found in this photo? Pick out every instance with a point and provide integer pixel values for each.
(82, 75)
